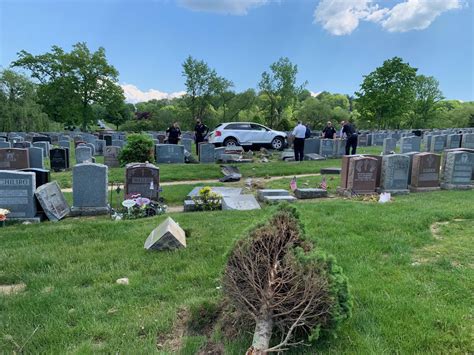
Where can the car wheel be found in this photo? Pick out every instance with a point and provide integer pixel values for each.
(277, 143)
(230, 142)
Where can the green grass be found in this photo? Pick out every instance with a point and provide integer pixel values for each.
(412, 291)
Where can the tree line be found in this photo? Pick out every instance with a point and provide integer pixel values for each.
(76, 88)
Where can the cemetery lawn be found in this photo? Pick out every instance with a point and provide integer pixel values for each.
(412, 278)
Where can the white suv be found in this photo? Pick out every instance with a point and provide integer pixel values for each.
(247, 134)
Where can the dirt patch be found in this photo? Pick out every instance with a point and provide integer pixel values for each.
(435, 227)
(173, 340)
(212, 348)
(12, 289)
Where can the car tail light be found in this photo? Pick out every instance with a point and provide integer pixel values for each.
(218, 133)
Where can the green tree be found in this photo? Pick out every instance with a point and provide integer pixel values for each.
(387, 94)
(202, 84)
(70, 83)
(280, 90)
(19, 107)
(428, 95)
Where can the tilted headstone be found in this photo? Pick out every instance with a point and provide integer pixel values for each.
(35, 155)
(17, 194)
(143, 179)
(394, 177)
(111, 154)
(389, 145)
(425, 172)
(458, 169)
(83, 154)
(240, 203)
(59, 159)
(167, 236)
(52, 200)
(169, 153)
(89, 189)
(14, 159)
(206, 153)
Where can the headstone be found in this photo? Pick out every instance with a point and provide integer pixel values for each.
(5, 145)
(240, 203)
(379, 167)
(206, 153)
(339, 147)
(89, 198)
(310, 193)
(458, 170)
(274, 195)
(111, 154)
(14, 159)
(83, 155)
(167, 236)
(42, 176)
(425, 172)
(467, 140)
(394, 177)
(331, 171)
(437, 144)
(362, 140)
(52, 200)
(410, 144)
(59, 159)
(41, 139)
(169, 153)
(344, 169)
(389, 145)
(311, 145)
(187, 143)
(362, 175)
(313, 156)
(44, 145)
(223, 191)
(22, 145)
(35, 155)
(17, 194)
(453, 141)
(143, 179)
(327, 148)
(108, 139)
(92, 147)
(64, 144)
(99, 146)
(118, 143)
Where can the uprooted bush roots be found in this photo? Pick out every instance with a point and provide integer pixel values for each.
(285, 285)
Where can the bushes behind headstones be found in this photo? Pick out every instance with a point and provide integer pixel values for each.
(139, 149)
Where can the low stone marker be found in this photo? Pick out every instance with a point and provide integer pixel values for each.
(52, 200)
(330, 171)
(457, 172)
(44, 145)
(309, 193)
(167, 236)
(274, 195)
(410, 144)
(313, 156)
(437, 144)
(188, 144)
(5, 144)
(240, 203)
(453, 141)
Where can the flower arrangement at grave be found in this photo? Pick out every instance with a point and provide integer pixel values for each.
(135, 206)
(3, 215)
(207, 200)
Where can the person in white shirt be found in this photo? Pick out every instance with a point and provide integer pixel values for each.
(298, 144)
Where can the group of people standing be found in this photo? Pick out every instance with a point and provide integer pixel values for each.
(302, 132)
(173, 134)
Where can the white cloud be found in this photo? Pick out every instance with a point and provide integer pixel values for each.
(342, 17)
(315, 94)
(134, 94)
(231, 7)
(416, 14)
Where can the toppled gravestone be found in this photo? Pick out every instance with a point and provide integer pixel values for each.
(167, 236)
(240, 203)
(308, 193)
(231, 173)
(329, 171)
(313, 156)
(274, 196)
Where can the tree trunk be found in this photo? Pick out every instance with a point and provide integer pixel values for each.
(262, 334)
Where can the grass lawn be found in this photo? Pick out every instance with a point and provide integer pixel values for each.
(412, 280)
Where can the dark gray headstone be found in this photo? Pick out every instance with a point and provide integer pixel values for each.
(169, 153)
(389, 145)
(44, 145)
(83, 154)
(17, 193)
(188, 144)
(88, 197)
(467, 140)
(410, 144)
(453, 141)
(458, 170)
(395, 170)
(311, 145)
(5, 144)
(36, 157)
(327, 148)
(309, 193)
(206, 153)
(59, 159)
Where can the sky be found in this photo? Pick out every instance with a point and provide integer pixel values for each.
(333, 42)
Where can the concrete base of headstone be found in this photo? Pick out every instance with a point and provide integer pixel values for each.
(167, 236)
(240, 203)
(288, 155)
(423, 189)
(261, 194)
(313, 156)
(446, 186)
(303, 194)
(89, 211)
(331, 171)
(350, 193)
(394, 192)
(37, 219)
(278, 199)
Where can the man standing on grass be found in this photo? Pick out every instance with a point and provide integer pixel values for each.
(200, 131)
(329, 132)
(298, 144)
(351, 134)
(173, 134)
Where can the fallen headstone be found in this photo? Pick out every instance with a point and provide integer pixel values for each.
(313, 156)
(52, 200)
(231, 173)
(167, 236)
(240, 203)
(331, 171)
(310, 193)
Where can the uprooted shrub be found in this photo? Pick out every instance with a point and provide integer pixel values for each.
(277, 278)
